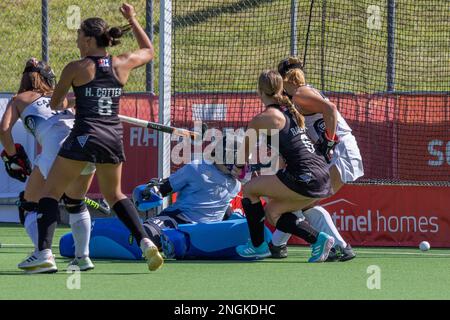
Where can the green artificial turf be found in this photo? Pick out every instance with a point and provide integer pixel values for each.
(405, 274)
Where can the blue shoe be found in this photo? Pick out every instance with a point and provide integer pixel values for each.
(249, 251)
(321, 248)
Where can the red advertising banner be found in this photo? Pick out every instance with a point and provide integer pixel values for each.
(373, 215)
(400, 137)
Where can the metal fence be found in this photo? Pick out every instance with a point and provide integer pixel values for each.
(46, 30)
(357, 46)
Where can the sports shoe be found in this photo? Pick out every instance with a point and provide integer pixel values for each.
(39, 262)
(333, 255)
(152, 255)
(83, 264)
(347, 253)
(249, 251)
(278, 252)
(322, 247)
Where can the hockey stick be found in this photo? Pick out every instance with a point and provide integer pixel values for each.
(97, 206)
(32, 206)
(159, 127)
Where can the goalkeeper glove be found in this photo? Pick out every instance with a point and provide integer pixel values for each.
(17, 166)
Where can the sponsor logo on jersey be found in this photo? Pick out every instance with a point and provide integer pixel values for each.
(319, 126)
(82, 140)
(103, 63)
(30, 124)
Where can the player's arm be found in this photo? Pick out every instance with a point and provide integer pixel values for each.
(126, 62)
(312, 102)
(59, 101)
(16, 161)
(9, 118)
(182, 177)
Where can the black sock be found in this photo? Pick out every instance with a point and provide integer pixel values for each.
(290, 223)
(48, 213)
(128, 214)
(254, 212)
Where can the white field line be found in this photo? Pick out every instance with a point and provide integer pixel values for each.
(20, 245)
(428, 254)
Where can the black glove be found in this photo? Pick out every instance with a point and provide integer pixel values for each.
(326, 145)
(17, 166)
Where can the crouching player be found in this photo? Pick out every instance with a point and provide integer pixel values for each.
(191, 228)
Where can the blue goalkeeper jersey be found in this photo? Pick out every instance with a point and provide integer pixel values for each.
(204, 192)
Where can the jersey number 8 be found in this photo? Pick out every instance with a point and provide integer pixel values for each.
(104, 106)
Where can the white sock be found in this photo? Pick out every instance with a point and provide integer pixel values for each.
(146, 242)
(320, 219)
(281, 238)
(44, 254)
(31, 227)
(81, 230)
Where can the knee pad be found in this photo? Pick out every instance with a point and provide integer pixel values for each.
(25, 206)
(73, 205)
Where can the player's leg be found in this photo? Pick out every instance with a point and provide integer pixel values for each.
(32, 194)
(321, 242)
(109, 178)
(166, 220)
(283, 201)
(321, 220)
(62, 173)
(79, 220)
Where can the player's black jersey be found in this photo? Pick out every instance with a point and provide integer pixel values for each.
(297, 149)
(97, 133)
(100, 97)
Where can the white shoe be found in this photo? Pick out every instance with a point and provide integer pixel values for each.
(39, 262)
(83, 264)
(151, 254)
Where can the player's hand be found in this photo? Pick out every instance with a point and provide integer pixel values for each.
(155, 182)
(149, 191)
(326, 145)
(17, 166)
(127, 11)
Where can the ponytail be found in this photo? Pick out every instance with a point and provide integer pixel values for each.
(283, 100)
(104, 36)
(114, 33)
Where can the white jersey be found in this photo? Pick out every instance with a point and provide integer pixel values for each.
(346, 155)
(315, 126)
(38, 118)
(50, 128)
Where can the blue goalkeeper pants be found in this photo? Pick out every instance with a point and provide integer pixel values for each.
(110, 239)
